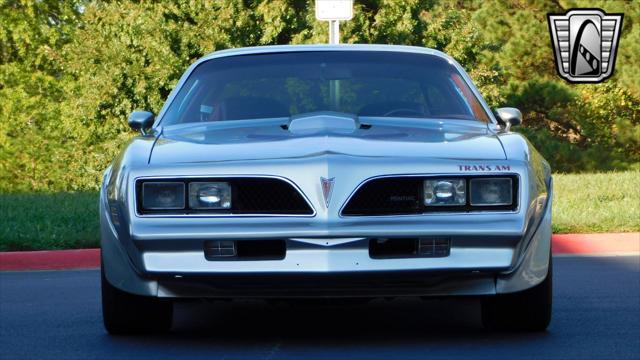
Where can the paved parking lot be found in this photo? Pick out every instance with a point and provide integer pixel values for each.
(56, 314)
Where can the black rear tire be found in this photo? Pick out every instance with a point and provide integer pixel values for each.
(529, 310)
(125, 313)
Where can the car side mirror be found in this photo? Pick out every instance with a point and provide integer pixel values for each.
(509, 117)
(141, 121)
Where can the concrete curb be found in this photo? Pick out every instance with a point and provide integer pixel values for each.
(610, 244)
(597, 244)
(50, 260)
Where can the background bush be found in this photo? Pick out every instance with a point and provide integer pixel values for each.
(71, 71)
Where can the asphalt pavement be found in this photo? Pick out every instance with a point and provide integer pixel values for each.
(56, 315)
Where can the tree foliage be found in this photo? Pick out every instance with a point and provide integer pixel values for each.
(72, 70)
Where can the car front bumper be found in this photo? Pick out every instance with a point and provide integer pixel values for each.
(489, 254)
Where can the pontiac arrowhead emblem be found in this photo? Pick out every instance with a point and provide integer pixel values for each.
(327, 189)
(585, 42)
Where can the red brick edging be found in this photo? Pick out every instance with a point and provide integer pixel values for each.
(597, 244)
(50, 260)
(563, 244)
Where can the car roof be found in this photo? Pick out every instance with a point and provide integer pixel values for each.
(323, 47)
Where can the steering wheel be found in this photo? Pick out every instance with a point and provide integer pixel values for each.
(403, 111)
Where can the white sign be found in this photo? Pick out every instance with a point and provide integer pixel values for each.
(331, 10)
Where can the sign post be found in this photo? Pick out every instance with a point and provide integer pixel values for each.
(333, 11)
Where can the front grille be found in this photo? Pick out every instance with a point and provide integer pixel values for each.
(387, 196)
(404, 195)
(267, 196)
(259, 196)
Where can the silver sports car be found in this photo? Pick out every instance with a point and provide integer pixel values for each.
(338, 171)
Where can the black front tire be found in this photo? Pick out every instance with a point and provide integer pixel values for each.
(125, 313)
(529, 310)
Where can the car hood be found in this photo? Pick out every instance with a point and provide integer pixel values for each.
(320, 135)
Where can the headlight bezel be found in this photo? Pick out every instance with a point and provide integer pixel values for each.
(468, 206)
(187, 208)
(246, 197)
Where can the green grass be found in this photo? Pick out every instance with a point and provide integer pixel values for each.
(38, 221)
(602, 202)
(583, 203)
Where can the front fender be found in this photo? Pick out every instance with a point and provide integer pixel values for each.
(534, 263)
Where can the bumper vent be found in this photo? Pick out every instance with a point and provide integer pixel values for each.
(434, 247)
(216, 250)
(395, 248)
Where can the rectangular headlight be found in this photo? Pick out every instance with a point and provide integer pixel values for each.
(209, 195)
(491, 191)
(163, 195)
(445, 192)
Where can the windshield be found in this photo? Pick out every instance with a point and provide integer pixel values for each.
(365, 83)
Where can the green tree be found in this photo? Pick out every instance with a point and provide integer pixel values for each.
(32, 34)
(71, 72)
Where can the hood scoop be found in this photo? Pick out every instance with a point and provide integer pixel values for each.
(323, 122)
